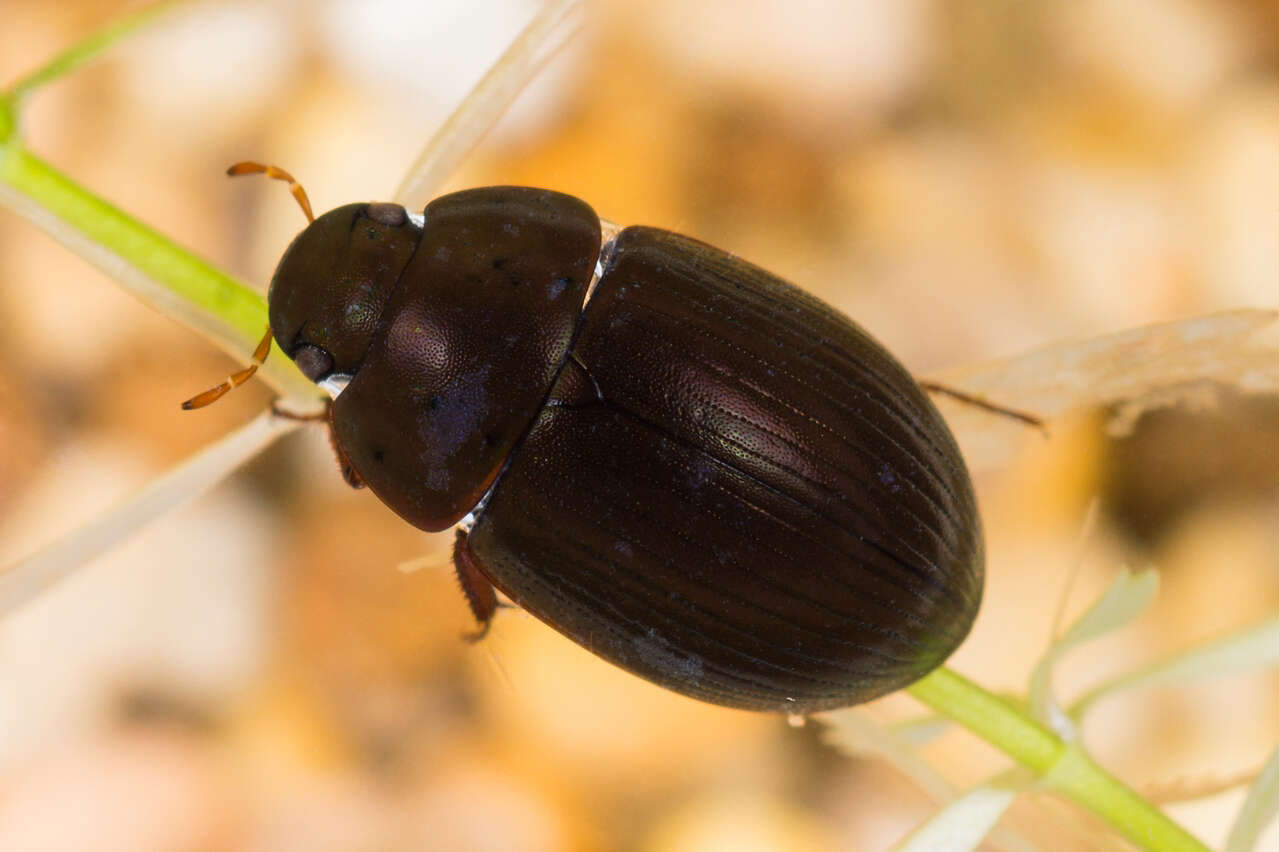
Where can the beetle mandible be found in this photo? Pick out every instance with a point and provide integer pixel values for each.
(685, 464)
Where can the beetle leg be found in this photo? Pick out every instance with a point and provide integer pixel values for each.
(344, 464)
(315, 417)
(986, 405)
(479, 592)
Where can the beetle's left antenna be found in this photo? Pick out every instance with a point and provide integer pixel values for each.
(277, 173)
(259, 355)
(213, 394)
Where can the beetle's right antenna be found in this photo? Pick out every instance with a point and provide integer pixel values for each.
(250, 168)
(234, 380)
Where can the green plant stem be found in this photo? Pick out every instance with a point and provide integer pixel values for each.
(7, 120)
(187, 275)
(156, 269)
(87, 49)
(153, 267)
(1062, 767)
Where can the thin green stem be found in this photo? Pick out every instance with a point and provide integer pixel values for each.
(86, 50)
(188, 276)
(7, 120)
(152, 266)
(1062, 767)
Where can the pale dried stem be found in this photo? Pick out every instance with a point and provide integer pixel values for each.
(553, 24)
(27, 578)
(1132, 371)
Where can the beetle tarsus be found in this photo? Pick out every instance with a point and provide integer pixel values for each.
(1024, 417)
(474, 637)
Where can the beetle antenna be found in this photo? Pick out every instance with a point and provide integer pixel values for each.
(277, 173)
(235, 379)
(986, 405)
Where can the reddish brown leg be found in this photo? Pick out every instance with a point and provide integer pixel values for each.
(978, 402)
(315, 417)
(344, 464)
(479, 592)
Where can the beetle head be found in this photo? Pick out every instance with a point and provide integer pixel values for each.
(333, 282)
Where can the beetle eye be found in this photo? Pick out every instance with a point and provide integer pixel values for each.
(313, 361)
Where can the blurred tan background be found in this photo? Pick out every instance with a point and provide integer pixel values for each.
(967, 179)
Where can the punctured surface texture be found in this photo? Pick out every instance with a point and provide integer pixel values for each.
(467, 347)
(737, 493)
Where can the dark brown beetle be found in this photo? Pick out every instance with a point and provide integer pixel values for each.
(679, 461)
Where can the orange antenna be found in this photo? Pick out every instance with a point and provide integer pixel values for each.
(276, 173)
(235, 379)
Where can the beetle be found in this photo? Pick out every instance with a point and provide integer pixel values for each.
(685, 464)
